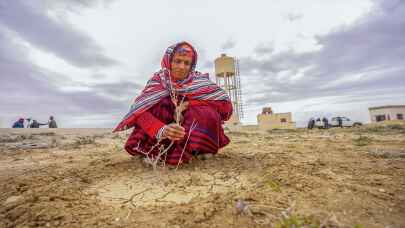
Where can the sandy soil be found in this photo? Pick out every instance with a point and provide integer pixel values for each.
(319, 178)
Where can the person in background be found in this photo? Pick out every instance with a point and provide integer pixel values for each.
(19, 123)
(52, 123)
(325, 122)
(340, 122)
(318, 123)
(311, 123)
(36, 124)
(28, 122)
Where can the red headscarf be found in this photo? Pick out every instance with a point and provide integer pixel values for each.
(185, 49)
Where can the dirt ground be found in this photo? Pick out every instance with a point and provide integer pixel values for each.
(280, 178)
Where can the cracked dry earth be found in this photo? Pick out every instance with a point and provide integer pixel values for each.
(320, 178)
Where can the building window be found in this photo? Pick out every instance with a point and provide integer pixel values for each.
(400, 116)
(379, 118)
(283, 120)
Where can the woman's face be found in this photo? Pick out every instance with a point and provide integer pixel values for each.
(180, 66)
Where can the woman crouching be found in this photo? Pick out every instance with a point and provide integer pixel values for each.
(180, 112)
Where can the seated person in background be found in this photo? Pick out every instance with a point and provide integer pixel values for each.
(36, 124)
(153, 113)
(19, 123)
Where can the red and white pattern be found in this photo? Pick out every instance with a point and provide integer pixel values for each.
(196, 86)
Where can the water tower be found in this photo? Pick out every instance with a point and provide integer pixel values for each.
(227, 77)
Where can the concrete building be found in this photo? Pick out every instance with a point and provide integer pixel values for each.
(389, 112)
(268, 120)
(227, 77)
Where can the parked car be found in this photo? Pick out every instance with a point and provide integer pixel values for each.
(346, 122)
(319, 123)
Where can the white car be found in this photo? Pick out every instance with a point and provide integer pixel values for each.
(319, 123)
(346, 122)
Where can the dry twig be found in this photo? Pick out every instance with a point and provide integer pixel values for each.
(179, 108)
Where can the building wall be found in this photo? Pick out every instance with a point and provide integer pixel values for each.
(388, 113)
(272, 121)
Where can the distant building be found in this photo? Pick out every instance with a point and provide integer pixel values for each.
(269, 120)
(389, 112)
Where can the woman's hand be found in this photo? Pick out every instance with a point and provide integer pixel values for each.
(174, 132)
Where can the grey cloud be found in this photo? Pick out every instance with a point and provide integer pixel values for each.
(59, 37)
(264, 49)
(276, 63)
(293, 16)
(26, 89)
(99, 76)
(229, 44)
(372, 47)
(123, 89)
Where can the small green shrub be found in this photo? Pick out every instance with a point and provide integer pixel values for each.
(362, 141)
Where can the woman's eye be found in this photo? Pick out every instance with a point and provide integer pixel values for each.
(178, 61)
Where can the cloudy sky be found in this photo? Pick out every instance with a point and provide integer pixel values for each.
(83, 61)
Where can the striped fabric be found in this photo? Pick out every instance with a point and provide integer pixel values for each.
(196, 86)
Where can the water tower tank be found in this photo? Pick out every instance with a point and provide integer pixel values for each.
(224, 65)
